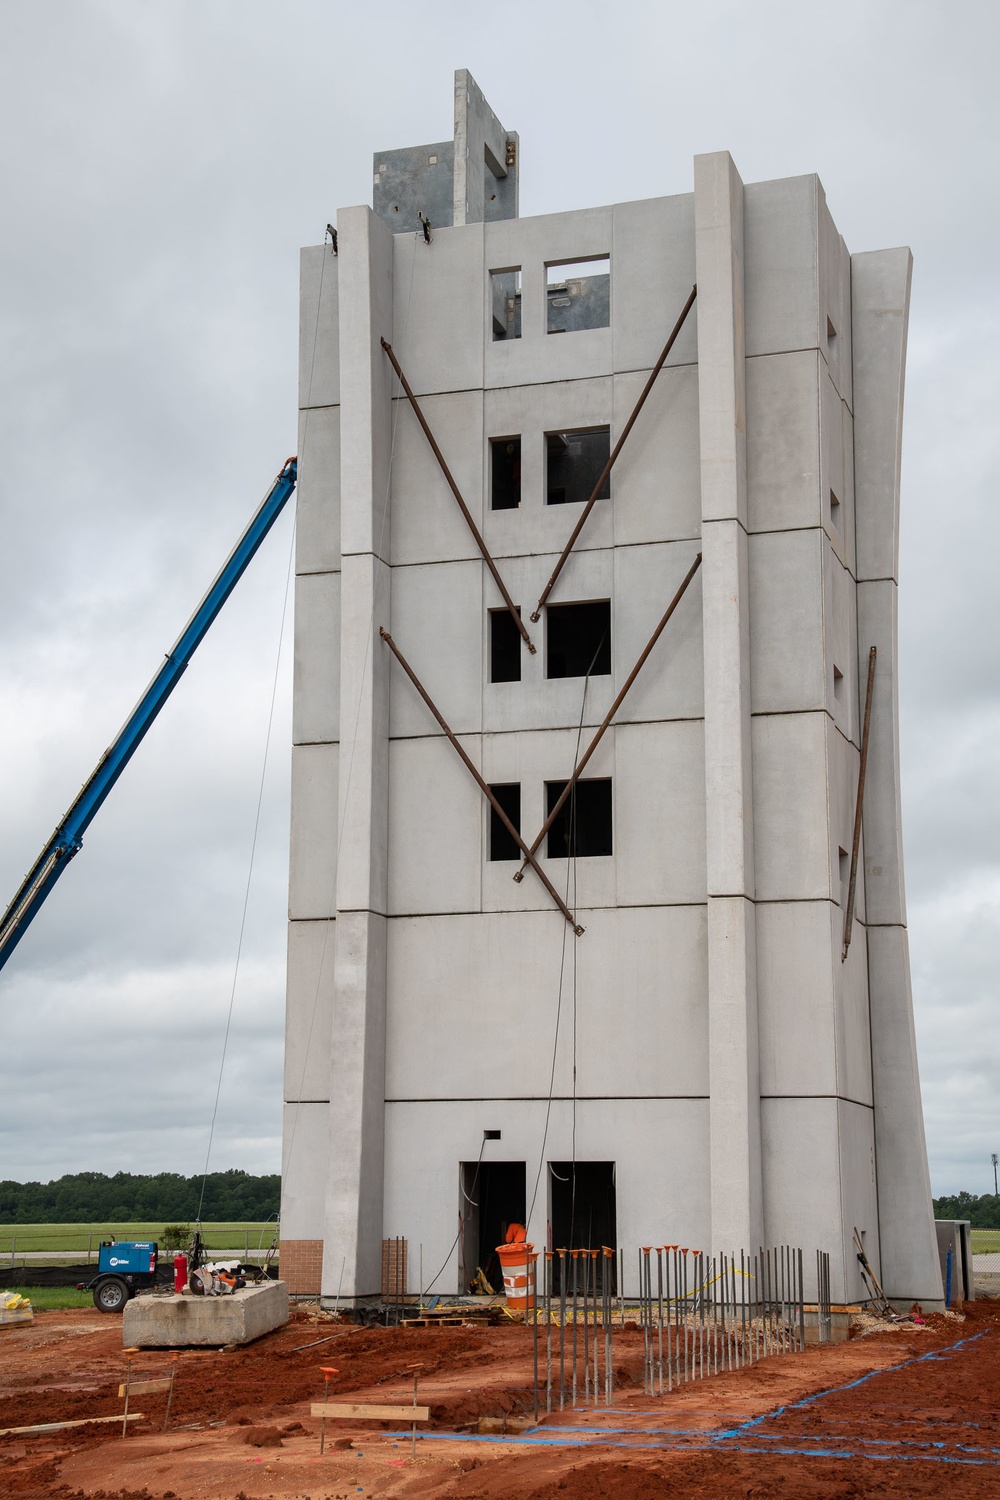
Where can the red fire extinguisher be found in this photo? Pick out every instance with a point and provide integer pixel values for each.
(180, 1273)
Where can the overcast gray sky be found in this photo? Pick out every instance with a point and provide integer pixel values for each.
(162, 162)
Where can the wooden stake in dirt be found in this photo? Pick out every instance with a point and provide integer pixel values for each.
(327, 1370)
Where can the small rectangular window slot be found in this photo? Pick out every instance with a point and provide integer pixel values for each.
(838, 684)
(582, 829)
(573, 464)
(578, 294)
(578, 639)
(505, 303)
(831, 338)
(834, 512)
(844, 860)
(492, 1135)
(505, 473)
(502, 844)
(505, 647)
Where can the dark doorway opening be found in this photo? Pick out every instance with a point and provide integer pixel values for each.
(583, 1216)
(578, 639)
(574, 461)
(505, 457)
(505, 647)
(493, 1198)
(502, 844)
(582, 828)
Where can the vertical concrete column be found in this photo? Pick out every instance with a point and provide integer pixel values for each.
(880, 293)
(734, 1108)
(352, 1257)
(479, 139)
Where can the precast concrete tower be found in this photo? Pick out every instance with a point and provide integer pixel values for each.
(725, 1055)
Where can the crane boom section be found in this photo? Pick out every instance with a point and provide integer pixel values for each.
(68, 836)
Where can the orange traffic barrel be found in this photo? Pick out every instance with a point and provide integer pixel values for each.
(516, 1261)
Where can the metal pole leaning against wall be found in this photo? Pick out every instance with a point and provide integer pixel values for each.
(862, 769)
(585, 757)
(476, 534)
(514, 833)
(598, 487)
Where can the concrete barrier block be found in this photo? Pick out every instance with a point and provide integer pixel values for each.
(182, 1322)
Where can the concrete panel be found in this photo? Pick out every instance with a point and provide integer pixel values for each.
(734, 1074)
(305, 1139)
(435, 823)
(364, 714)
(845, 696)
(910, 1267)
(783, 441)
(317, 493)
(438, 296)
(366, 257)
(880, 292)
(721, 362)
(427, 524)
(313, 845)
(425, 1143)
(353, 1230)
(532, 244)
(439, 627)
(319, 327)
(795, 990)
(730, 800)
(791, 816)
(782, 265)
(656, 480)
(308, 1021)
(316, 691)
(803, 1188)
(837, 471)
(671, 682)
(189, 1322)
(835, 301)
(536, 527)
(652, 273)
(883, 837)
(788, 669)
(843, 763)
(659, 802)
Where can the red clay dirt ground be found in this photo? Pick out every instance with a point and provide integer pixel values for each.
(908, 1412)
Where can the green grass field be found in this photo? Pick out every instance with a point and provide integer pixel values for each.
(51, 1298)
(984, 1240)
(17, 1240)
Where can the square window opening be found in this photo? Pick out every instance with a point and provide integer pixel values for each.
(834, 511)
(503, 845)
(582, 829)
(578, 294)
(505, 473)
(578, 639)
(505, 647)
(574, 462)
(505, 303)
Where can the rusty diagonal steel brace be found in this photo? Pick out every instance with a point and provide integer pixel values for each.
(856, 845)
(477, 534)
(514, 833)
(546, 591)
(584, 758)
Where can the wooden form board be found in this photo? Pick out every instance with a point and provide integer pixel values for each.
(371, 1413)
(146, 1387)
(133, 1416)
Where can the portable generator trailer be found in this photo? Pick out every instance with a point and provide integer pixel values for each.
(124, 1268)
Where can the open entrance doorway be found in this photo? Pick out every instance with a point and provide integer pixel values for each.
(582, 1213)
(493, 1197)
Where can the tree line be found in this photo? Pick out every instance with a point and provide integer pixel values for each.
(982, 1212)
(94, 1197)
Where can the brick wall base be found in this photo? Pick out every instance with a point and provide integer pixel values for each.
(301, 1264)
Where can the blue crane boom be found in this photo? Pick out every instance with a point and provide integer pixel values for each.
(68, 836)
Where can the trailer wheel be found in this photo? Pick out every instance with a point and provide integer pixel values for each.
(110, 1296)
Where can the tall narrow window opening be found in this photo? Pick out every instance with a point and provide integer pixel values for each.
(505, 647)
(573, 464)
(582, 1212)
(505, 473)
(502, 845)
(578, 639)
(505, 303)
(582, 829)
